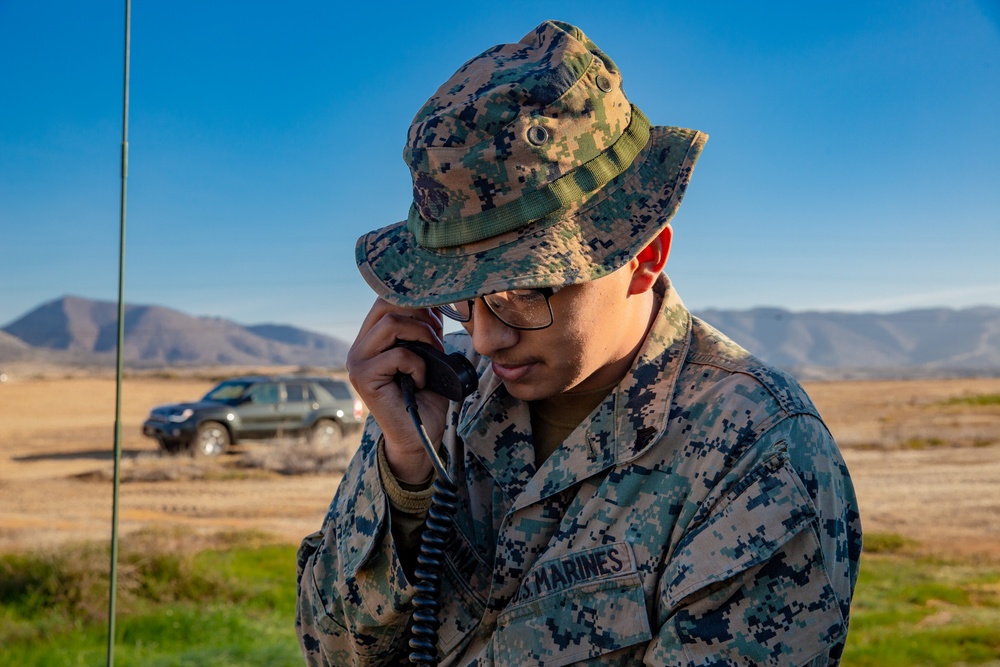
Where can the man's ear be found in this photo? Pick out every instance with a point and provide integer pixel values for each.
(649, 263)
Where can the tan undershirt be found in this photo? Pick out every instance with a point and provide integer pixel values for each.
(553, 419)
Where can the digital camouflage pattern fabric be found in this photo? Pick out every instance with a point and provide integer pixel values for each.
(701, 515)
(530, 168)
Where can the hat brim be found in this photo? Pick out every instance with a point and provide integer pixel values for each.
(582, 242)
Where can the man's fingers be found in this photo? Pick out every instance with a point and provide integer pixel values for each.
(382, 308)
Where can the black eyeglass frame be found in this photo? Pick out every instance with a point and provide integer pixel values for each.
(449, 311)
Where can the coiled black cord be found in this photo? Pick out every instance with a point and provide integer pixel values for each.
(430, 562)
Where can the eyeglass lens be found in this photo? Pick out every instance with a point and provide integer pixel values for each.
(525, 308)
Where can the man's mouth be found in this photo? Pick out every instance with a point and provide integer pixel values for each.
(512, 372)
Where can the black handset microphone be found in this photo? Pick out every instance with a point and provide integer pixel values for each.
(452, 376)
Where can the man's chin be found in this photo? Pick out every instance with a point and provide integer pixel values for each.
(530, 391)
(525, 393)
(528, 382)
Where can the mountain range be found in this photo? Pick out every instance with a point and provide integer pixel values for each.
(77, 330)
(931, 342)
(812, 344)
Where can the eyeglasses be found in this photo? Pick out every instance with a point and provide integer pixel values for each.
(517, 308)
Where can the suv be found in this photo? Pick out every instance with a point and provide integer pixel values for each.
(257, 407)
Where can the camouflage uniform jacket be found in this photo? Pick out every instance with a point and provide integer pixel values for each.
(701, 515)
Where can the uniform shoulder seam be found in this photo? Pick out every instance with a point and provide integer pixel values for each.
(783, 388)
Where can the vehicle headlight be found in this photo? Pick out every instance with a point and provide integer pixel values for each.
(181, 416)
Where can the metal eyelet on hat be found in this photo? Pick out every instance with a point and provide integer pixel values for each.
(603, 82)
(538, 135)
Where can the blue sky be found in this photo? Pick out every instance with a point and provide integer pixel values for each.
(853, 160)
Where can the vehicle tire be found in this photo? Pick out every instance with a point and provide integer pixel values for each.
(326, 434)
(211, 439)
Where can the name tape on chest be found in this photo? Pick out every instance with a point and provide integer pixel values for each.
(556, 574)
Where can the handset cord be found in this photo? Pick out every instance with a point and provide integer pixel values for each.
(430, 561)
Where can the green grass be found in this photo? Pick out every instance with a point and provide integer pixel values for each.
(180, 602)
(924, 443)
(886, 543)
(229, 601)
(976, 401)
(911, 611)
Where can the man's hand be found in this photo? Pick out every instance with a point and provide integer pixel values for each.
(372, 364)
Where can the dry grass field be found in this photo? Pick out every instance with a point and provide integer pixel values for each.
(925, 456)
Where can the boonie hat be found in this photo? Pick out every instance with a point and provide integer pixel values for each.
(530, 169)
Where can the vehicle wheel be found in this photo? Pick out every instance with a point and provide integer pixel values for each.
(326, 433)
(211, 439)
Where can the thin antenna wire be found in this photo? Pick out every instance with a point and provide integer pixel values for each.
(121, 341)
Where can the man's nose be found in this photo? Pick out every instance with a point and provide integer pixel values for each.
(489, 334)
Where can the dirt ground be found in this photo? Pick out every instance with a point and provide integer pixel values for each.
(924, 468)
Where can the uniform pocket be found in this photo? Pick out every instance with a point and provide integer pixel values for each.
(604, 612)
(765, 510)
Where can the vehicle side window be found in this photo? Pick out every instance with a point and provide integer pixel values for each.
(296, 393)
(265, 394)
(337, 389)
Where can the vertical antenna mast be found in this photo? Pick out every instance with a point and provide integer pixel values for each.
(121, 339)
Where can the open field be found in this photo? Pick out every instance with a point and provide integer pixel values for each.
(925, 459)
(208, 547)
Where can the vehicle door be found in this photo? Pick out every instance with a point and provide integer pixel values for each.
(259, 413)
(297, 407)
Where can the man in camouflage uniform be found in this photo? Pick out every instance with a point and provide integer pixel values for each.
(634, 488)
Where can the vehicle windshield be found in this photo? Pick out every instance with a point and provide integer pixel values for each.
(228, 391)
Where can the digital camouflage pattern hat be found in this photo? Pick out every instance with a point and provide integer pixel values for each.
(530, 169)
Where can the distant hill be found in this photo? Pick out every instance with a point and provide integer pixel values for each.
(924, 343)
(13, 348)
(927, 342)
(83, 330)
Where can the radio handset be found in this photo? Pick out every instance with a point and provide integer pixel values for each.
(450, 375)
(454, 377)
